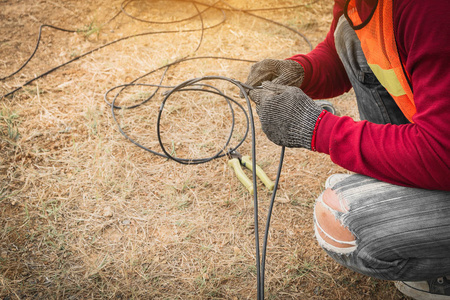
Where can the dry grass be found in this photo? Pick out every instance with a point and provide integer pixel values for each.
(86, 214)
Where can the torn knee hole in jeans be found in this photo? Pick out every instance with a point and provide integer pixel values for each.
(332, 234)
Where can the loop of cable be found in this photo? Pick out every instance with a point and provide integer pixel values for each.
(195, 85)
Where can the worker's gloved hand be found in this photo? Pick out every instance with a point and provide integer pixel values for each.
(288, 116)
(285, 72)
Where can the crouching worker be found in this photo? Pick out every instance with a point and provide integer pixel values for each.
(390, 220)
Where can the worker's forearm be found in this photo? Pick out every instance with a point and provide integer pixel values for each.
(398, 154)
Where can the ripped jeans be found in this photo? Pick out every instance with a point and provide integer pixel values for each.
(400, 233)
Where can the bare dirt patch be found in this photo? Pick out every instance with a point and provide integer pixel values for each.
(84, 213)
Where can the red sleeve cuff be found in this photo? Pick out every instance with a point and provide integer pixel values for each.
(316, 126)
(322, 133)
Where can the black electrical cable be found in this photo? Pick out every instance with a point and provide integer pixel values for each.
(219, 154)
(124, 4)
(260, 259)
(269, 216)
(202, 29)
(195, 85)
(248, 12)
(36, 48)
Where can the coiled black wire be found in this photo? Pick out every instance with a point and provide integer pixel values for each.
(195, 85)
(190, 85)
(185, 86)
(260, 261)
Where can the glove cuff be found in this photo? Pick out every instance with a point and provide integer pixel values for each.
(304, 126)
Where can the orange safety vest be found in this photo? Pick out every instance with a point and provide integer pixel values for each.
(376, 34)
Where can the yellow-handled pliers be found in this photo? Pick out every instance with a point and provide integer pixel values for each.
(236, 160)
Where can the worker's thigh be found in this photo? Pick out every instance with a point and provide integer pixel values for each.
(375, 104)
(383, 230)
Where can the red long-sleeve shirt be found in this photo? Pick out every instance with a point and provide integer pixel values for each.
(417, 154)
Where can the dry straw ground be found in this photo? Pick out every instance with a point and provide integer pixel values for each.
(85, 214)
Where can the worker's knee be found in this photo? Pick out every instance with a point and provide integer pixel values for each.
(330, 232)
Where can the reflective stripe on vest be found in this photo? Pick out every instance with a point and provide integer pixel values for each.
(379, 47)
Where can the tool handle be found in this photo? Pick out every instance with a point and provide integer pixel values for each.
(247, 162)
(236, 165)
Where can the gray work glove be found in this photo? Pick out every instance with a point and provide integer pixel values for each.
(285, 72)
(288, 116)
